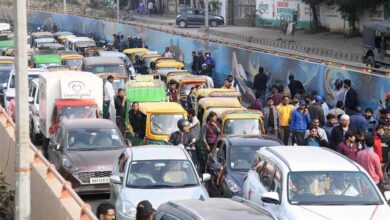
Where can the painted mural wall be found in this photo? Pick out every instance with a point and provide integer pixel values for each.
(241, 63)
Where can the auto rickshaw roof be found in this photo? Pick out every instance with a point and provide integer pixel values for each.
(175, 64)
(161, 107)
(42, 34)
(146, 92)
(6, 60)
(71, 56)
(62, 33)
(117, 76)
(94, 61)
(219, 111)
(58, 68)
(7, 43)
(150, 56)
(64, 37)
(165, 59)
(47, 58)
(219, 102)
(242, 113)
(217, 92)
(381, 26)
(135, 50)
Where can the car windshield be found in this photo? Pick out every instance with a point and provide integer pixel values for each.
(242, 127)
(148, 174)
(94, 139)
(331, 188)
(74, 63)
(241, 158)
(77, 112)
(30, 77)
(107, 69)
(4, 75)
(164, 123)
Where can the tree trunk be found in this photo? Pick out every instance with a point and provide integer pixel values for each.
(315, 24)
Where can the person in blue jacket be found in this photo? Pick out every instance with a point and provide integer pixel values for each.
(300, 118)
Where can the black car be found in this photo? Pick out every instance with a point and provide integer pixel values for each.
(196, 16)
(230, 160)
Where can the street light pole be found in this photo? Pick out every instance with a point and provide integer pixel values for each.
(64, 6)
(117, 9)
(206, 24)
(22, 166)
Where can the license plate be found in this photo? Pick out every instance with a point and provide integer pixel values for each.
(99, 180)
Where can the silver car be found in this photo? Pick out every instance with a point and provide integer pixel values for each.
(155, 173)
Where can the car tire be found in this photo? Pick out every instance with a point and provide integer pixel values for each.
(182, 24)
(370, 61)
(213, 23)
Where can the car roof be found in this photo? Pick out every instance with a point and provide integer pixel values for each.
(88, 123)
(157, 152)
(257, 140)
(92, 61)
(221, 208)
(297, 158)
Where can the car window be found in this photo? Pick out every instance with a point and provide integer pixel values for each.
(122, 162)
(267, 175)
(189, 12)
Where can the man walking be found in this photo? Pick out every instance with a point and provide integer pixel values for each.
(348, 147)
(271, 118)
(372, 123)
(350, 98)
(331, 122)
(295, 86)
(109, 94)
(298, 124)
(194, 66)
(260, 84)
(150, 8)
(120, 107)
(105, 211)
(285, 110)
(316, 110)
(338, 132)
(358, 122)
(137, 121)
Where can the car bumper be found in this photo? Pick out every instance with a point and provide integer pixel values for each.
(85, 188)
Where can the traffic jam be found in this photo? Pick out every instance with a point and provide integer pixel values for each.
(136, 125)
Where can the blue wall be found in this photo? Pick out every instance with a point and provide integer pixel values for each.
(241, 63)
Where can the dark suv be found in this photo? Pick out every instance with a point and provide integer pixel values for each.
(196, 16)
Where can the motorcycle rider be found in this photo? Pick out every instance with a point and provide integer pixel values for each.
(184, 137)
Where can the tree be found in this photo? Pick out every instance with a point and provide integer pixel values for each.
(314, 7)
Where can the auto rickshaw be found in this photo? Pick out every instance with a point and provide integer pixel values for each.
(45, 60)
(216, 92)
(5, 44)
(164, 67)
(63, 38)
(61, 68)
(134, 51)
(165, 74)
(6, 60)
(146, 60)
(215, 102)
(99, 65)
(160, 120)
(72, 60)
(238, 121)
(59, 34)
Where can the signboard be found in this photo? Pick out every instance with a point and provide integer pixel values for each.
(75, 89)
(272, 12)
(4, 27)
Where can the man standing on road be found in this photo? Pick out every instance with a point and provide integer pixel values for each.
(300, 118)
(316, 110)
(195, 128)
(338, 132)
(120, 107)
(285, 111)
(348, 147)
(271, 118)
(137, 121)
(173, 91)
(194, 66)
(260, 84)
(338, 94)
(191, 98)
(295, 86)
(331, 122)
(372, 123)
(145, 211)
(150, 8)
(105, 211)
(314, 139)
(109, 94)
(350, 98)
(320, 131)
(358, 122)
(337, 111)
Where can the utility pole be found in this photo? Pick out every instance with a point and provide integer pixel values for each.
(22, 166)
(117, 10)
(206, 24)
(64, 6)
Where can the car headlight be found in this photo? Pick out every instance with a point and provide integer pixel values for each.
(232, 186)
(127, 209)
(66, 164)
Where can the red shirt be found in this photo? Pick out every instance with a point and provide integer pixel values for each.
(369, 160)
(378, 147)
(349, 151)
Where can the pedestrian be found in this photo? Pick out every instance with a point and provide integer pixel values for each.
(385, 120)
(285, 111)
(120, 108)
(227, 85)
(203, 70)
(338, 94)
(338, 132)
(300, 118)
(122, 43)
(378, 134)
(316, 110)
(137, 121)
(167, 53)
(210, 63)
(211, 131)
(54, 28)
(348, 147)
(115, 42)
(200, 59)
(320, 131)
(372, 123)
(172, 91)
(271, 118)
(278, 96)
(233, 82)
(384, 135)
(150, 8)
(191, 98)
(194, 65)
(141, 8)
(256, 104)
(194, 124)
(109, 94)
(260, 84)
(325, 107)
(295, 101)
(350, 98)
(337, 110)
(105, 211)
(360, 139)
(331, 122)
(383, 106)
(368, 159)
(295, 86)
(314, 139)
(144, 211)
(358, 122)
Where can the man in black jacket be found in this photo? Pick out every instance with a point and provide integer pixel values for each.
(350, 98)
(120, 107)
(194, 66)
(295, 86)
(338, 132)
(260, 84)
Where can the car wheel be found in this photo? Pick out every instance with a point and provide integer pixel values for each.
(213, 23)
(183, 24)
(370, 61)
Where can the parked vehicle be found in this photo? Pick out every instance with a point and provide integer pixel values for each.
(5, 44)
(212, 208)
(39, 35)
(45, 60)
(100, 65)
(79, 44)
(62, 39)
(196, 16)
(6, 66)
(299, 182)
(72, 60)
(84, 150)
(230, 160)
(154, 173)
(125, 59)
(131, 53)
(215, 102)
(42, 41)
(216, 92)
(59, 34)
(33, 99)
(165, 75)
(376, 41)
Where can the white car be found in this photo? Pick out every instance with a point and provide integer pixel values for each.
(155, 173)
(33, 99)
(313, 183)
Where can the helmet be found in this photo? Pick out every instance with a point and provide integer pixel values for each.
(338, 83)
(181, 123)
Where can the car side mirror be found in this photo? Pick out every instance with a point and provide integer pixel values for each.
(270, 197)
(115, 180)
(387, 195)
(206, 177)
(31, 100)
